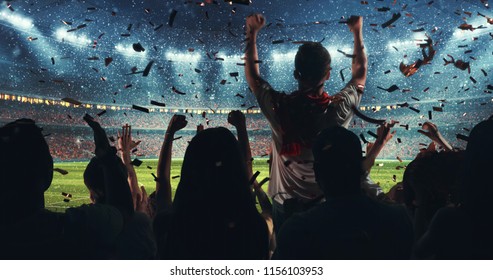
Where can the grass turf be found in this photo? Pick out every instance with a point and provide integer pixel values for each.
(73, 182)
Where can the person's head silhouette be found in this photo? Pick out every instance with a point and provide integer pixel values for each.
(26, 168)
(338, 156)
(477, 190)
(214, 172)
(312, 65)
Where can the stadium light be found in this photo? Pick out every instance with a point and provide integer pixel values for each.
(229, 58)
(16, 20)
(288, 56)
(129, 51)
(401, 44)
(184, 57)
(61, 34)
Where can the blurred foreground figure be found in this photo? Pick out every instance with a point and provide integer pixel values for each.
(465, 232)
(349, 224)
(29, 231)
(213, 215)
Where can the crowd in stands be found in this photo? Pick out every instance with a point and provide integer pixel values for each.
(68, 133)
(75, 144)
(321, 202)
(71, 116)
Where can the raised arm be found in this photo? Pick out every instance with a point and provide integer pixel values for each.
(374, 149)
(237, 119)
(430, 130)
(360, 61)
(125, 146)
(163, 181)
(117, 190)
(253, 25)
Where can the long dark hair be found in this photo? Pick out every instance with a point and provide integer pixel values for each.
(214, 171)
(214, 211)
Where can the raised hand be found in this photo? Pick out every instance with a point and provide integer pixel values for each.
(355, 23)
(383, 132)
(125, 146)
(374, 149)
(116, 187)
(237, 119)
(430, 130)
(359, 67)
(125, 142)
(255, 22)
(176, 123)
(100, 139)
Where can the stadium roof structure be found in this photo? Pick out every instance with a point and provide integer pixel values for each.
(187, 54)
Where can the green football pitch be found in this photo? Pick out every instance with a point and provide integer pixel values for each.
(73, 182)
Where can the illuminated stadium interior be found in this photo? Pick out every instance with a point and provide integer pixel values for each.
(97, 52)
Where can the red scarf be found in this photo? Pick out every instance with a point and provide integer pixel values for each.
(300, 114)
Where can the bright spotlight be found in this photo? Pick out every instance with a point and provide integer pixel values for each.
(288, 56)
(184, 57)
(61, 34)
(229, 58)
(16, 20)
(129, 51)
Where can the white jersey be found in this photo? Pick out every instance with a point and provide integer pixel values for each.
(293, 176)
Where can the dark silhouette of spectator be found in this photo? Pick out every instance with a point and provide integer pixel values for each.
(237, 119)
(213, 214)
(26, 170)
(31, 232)
(162, 201)
(373, 149)
(125, 146)
(28, 230)
(406, 195)
(464, 232)
(432, 182)
(135, 239)
(297, 118)
(349, 224)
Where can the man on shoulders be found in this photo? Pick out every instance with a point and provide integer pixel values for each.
(297, 118)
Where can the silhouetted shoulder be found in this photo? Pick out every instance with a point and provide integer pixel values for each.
(347, 228)
(136, 241)
(454, 234)
(93, 229)
(39, 236)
